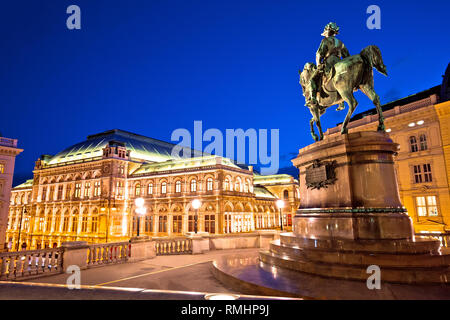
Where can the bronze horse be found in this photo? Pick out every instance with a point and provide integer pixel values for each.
(348, 75)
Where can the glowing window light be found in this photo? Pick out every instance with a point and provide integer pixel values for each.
(412, 124)
(388, 130)
(420, 122)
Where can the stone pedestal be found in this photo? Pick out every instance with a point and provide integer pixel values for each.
(349, 189)
(351, 217)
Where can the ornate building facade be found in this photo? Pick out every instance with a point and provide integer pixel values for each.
(420, 124)
(87, 193)
(8, 153)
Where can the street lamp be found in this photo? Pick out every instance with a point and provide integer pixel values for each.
(140, 210)
(24, 210)
(196, 204)
(280, 205)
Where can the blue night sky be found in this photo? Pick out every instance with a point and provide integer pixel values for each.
(151, 67)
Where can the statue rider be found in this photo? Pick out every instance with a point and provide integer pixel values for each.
(331, 51)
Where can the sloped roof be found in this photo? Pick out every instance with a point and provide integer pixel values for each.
(184, 164)
(262, 192)
(272, 179)
(26, 184)
(143, 148)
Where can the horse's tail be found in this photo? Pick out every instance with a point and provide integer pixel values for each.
(372, 55)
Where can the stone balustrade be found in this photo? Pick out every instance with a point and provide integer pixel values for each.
(22, 264)
(173, 246)
(108, 253)
(36, 263)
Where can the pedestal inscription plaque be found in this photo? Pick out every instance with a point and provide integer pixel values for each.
(320, 174)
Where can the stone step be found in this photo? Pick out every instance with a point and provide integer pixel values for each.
(361, 258)
(420, 245)
(247, 274)
(350, 272)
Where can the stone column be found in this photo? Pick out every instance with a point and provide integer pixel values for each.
(169, 224)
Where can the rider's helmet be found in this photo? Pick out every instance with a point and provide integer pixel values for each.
(331, 28)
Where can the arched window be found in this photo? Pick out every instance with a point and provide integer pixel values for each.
(178, 186)
(286, 195)
(209, 184)
(193, 185)
(238, 185)
(423, 142)
(163, 188)
(150, 188)
(226, 185)
(246, 187)
(413, 144)
(137, 190)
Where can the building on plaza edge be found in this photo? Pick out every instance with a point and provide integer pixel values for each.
(420, 124)
(8, 153)
(87, 191)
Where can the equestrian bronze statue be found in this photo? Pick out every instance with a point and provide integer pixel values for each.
(336, 76)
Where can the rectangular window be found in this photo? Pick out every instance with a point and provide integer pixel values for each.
(44, 194)
(60, 192)
(57, 220)
(94, 224)
(162, 223)
(417, 174)
(210, 223)
(68, 191)
(65, 224)
(51, 193)
(77, 190)
(41, 224)
(119, 188)
(48, 225)
(427, 172)
(84, 224)
(148, 223)
(422, 173)
(177, 224)
(87, 190)
(2, 168)
(191, 223)
(426, 206)
(135, 224)
(74, 224)
(97, 189)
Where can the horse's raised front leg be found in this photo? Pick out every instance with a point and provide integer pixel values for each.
(352, 103)
(313, 134)
(372, 95)
(319, 126)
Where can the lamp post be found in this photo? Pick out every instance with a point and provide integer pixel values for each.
(24, 210)
(280, 205)
(140, 210)
(196, 204)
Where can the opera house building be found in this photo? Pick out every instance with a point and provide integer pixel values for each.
(87, 193)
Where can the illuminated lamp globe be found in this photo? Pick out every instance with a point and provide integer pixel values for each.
(139, 202)
(196, 204)
(280, 204)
